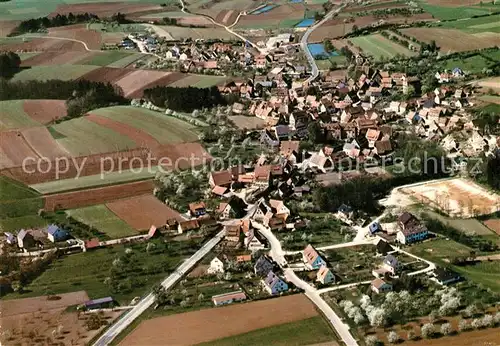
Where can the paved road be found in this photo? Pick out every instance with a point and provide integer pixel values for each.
(278, 255)
(305, 38)
(149, 300)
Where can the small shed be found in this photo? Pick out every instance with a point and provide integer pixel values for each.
(101, 303)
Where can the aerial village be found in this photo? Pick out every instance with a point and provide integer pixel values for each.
(358, 203)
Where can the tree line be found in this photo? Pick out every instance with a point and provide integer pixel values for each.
(184, 99)
(81, 95)
(41, 23)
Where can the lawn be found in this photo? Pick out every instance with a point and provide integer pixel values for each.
(491, 99)
(464, 225)
(84, 137)
(200, 81)
(17, 200)
(485, 273)
(127, 60)
(474, 64)
(440, 250)
(457, 12)
(314, 330)
(165, 129)
(17, 223)
(125, 176)
(378, 46)
(12, 116)
(131, 274)
(62, 72)
(109, 57)
(104, 220)
(325, 64)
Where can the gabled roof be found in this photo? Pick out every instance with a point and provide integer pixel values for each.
(383, 247)
(406, 218)
(188, 225)
(197, 205)
(310, 254)
(390, 260)
(322, 272)
(263, 266)
(272, 279)
(288, 147)
(222, 177)
(219, 190)
(378, 283)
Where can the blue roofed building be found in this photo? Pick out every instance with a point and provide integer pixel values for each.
(274, 284)
(55, 233)
(101, 303)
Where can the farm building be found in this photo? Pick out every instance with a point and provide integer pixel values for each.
(25, 239)
(228, 298)
(445, 276)
(101, 303)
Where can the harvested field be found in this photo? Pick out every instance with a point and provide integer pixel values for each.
(244, 122)
(62, 72)
(14, 149)
(135, 82)
(141, 138)
(335, 27)
(205, 325)
(83, 198)
(179, 33)
(165, 129)
(451, 40)
(56, 58)
(105, 9)
(50, 182)
(226, 17)
(33, 320)
(182, 156)
(490, 83)
(493, 224)
(197, 21)
(143, 211)
(42, 142)
(45, 111)
(38, 45)
(374, 6)
(6, 26)
(78, 32)
(169, 78)
(107, 74)
(457, 197)
(29, 305)
(200, 81)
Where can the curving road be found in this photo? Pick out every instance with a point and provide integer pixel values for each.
(119, 326)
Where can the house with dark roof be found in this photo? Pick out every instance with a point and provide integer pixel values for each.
(25, 239)
(391, 264)
(274, 284)
(411, 230)
(375, 227)
(445, 276)
(263, 266)
(56, 234)
(383, 247)
(312, 259)
(101, 303)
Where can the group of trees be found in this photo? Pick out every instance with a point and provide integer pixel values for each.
(81, 95)
(10, 64)
(41, 23)
(184, 99)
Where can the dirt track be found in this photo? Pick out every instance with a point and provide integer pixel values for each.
(212, 324)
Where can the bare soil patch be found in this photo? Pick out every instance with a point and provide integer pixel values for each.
(27, 305)
(142, 212)
(41, 45)
(490, 83)
(372, 7)
(493, 224)
(79, 32)
(6, 26)
(107, 74)
(42, 142)
(212, 324)
(167, 79)
(32, 321)
(15, 148)
(56, 58)
(244, 122)
(196, 20)
(137, 80)
(45, 111)
(452, 40)
(457, 197)
(83, 198)
(141, 138)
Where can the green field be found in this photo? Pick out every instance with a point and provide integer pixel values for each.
(109, 57)
(199, 80)
(91, 181)
(113, 27)
(463, 225)
(104, 220)
(129, 59)
(491, 99)
(456, 12)
(62, 72)
(19, 205)
(325, 64)
(476, 25)
(310, 331)
(379, 46)
(165, 129)
(84, 137)
(474, 64)
(134, 275)
(172, 14)
(26, 9)
(12, 116)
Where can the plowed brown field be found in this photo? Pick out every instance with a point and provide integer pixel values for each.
(211, 324)
(107, 74)
(168, 79)
(83, 198)
(80, 32)
(45, 111)
(143, 211)
(136, 81)
(104, 9)
(15, 148)
(42, 142)
(141, 138)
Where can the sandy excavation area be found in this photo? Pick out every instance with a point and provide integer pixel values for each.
(457, 197)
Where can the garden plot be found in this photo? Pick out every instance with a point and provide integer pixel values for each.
(457, 197)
